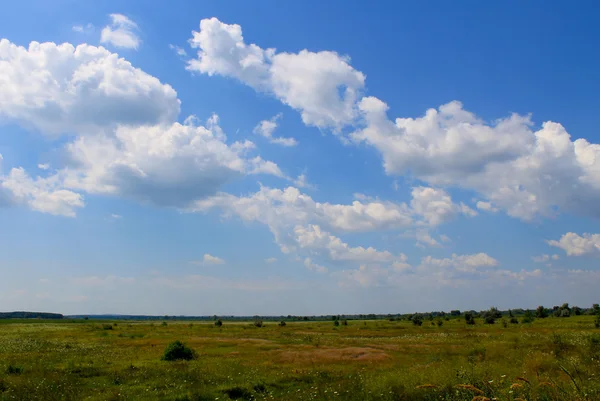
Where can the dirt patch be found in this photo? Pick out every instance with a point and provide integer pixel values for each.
(307, 354)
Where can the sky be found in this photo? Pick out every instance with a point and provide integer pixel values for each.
(234, 158)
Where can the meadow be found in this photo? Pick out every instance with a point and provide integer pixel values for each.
(548, 359)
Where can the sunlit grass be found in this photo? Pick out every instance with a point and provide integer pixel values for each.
(550, 359)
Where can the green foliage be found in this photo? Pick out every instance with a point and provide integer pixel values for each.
(528, 317)
(178, 351)
(344, 322)
(597, 321)
(14, 370)
(239, 393)
(541, 312)
(282, 323)
(218, 323)
(469, 319)
(439, 322)
(417, 320)
(336, 323)
(107, 327)
(258, 323)
(514, 320)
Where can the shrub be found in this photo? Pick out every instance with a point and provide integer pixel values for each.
(258, 323)
(178, 351)
(344, 322)
(528, 318)
(514, 320)
(107, 327)
(164, 324)
(218, 323)
(489, 319)
(540, 312)
(282, 324)
(417, 320)
(439, 322)
(239, 393)
(504, 323)
(597, 321)
(469, 319)
(336, 323)
(14, 370)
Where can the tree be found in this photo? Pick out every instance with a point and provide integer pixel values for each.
(469, 318)
(282, 324)
(417, 320)
(540, 312)
(219, 323)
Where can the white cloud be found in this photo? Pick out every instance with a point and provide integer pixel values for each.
(62, 89)
(465, 263)
(266, 128)
(121, 32)
(526, 173)
(212, 260)
(322, 86)
(310, 265)
(44, 166)
(436, 206)
(577, 245)
(271, 260)
(167, 165)
(45, 195)
(487, 206)
(115, 216)
(317, 241)
(178, 50)
(86, 29)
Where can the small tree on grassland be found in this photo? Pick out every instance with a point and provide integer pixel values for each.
(178, 351)
(469, 319)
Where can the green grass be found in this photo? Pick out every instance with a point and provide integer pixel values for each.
(550, 359)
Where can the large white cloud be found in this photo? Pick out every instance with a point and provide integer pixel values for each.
(322, 86)
(266, 128)
(577, 245)
(436, 205)
(168, 165)
(524, 172)
(78, 90)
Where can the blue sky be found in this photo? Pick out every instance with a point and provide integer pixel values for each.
(301, 158)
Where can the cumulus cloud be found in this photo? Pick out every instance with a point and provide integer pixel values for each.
(121, 32)
(212, 260)
(167, 165)
(436, 206)
(266, 128)
(271, 260)
(322, 86)
(63, 89)
(577, 245)
(40, 194)
(524, 172)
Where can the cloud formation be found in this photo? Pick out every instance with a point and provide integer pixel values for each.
(121, 32)
(577, 245)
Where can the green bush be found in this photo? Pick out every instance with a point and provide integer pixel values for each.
(178, 351)
(219, 323)
(469, 319)
(282, 324)
(239, 393)
(14, 370)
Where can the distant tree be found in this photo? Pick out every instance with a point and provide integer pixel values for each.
(596, 308)
(219, 323)
(576, 310)
(417, 320)
(514, 320)
(469, 319)
(258, 323)
(336, 322)
(565, 313)
(282, 324)
(455, 312)
(490, 316)
(510, 314)
(528, 317)
(540, 312)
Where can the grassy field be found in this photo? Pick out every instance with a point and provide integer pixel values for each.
(549, 359)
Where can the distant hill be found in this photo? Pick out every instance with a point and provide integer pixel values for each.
(30, 315)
